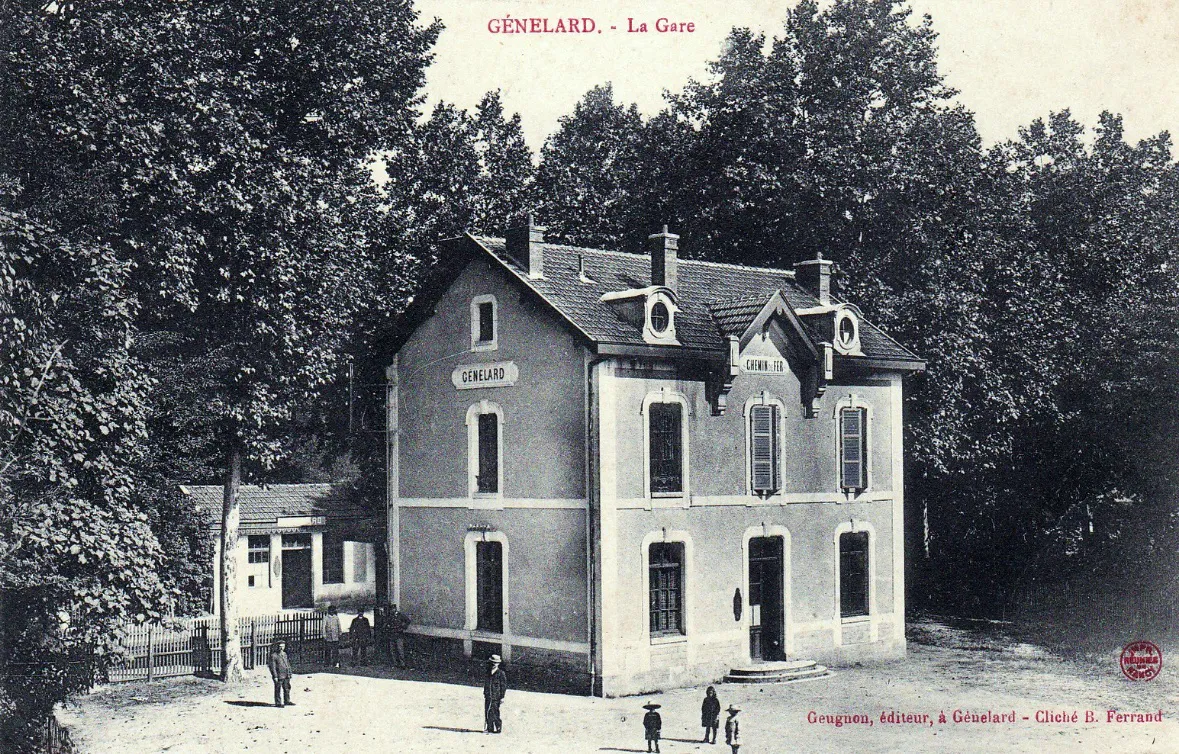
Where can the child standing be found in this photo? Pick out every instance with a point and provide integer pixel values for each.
(733, 729)
(710, 714)
(652, 724)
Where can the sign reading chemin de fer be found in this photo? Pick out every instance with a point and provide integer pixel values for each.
(763, 365)
(491, 374)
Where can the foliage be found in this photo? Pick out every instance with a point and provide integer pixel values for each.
(76, 558)
(223, 148)
(1036, 278)
(588, 170)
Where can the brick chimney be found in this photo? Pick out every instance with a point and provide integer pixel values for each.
(815, 276)
(663, 258)
(522, 242)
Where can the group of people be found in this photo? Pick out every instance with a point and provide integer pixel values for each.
(388, 635)
(710, 710)
(391, 624)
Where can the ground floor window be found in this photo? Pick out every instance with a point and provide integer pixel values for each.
(360, 562)
(853, 574)
(666, 588)
(333, 558)
(489, 586)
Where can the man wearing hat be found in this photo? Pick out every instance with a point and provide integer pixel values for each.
(494, 690)
(652, 724)
(733, 729)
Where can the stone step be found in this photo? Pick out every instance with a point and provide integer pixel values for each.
(777, 672)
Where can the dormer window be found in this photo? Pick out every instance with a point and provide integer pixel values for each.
(651, 309)
(484, 324)
(660, 325)
(660, 317)
(847, 332)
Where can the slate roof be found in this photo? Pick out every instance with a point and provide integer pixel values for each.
(716, 300)
(262, 506)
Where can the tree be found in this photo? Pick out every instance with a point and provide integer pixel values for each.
(77, 560)
(587, 172)
(224, 148)
(504, 186)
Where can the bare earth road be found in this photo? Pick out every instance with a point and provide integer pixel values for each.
(380, 711)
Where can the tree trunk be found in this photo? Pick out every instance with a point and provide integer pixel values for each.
(231, 660)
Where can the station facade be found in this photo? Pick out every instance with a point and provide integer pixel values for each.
(645, 468)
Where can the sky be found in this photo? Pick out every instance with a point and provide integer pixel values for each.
(1011, 60)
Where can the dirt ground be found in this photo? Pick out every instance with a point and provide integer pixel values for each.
(974, 669)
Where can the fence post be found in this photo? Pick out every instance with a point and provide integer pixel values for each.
(151, 659)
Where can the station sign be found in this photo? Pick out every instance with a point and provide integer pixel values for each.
(764, 365)
(490, 374)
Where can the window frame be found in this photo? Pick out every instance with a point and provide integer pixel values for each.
(470, 547)
(477, 344)
(687, 601)
(657, 583)
(327, 554)
(484, 407)
(765, 399)
(251, 550)
(869, 549)
(853, 403)
(664, 396)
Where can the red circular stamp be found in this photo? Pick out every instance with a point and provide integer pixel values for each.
(1141, 660)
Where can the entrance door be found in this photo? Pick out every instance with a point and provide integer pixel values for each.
(765, 599)
(296, 571)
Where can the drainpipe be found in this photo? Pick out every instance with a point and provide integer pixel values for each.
(592, 460)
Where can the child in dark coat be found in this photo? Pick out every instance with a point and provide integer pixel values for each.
(652, 724)
(710, 714)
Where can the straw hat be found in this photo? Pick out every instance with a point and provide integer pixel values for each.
(732, 710)
(494, 659)
(652, 705)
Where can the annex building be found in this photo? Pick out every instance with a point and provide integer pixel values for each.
(647, 468)
(299, 546)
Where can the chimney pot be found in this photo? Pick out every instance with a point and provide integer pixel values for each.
(522, 242)
(664, 249)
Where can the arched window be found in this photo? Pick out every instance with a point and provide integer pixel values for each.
(485, 449)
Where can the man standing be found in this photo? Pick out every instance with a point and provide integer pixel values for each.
(280, 673)
(493, 693)
(331, 635)
(360, 633)
(398, 622)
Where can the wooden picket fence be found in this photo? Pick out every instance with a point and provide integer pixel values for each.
(56, 739)
(194, 647)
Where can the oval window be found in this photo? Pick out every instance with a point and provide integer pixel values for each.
(660, 317)
(847, 331)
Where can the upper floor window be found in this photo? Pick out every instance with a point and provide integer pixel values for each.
(485, 448)
(484, 323)
(665, 447)
(765, 474)
(853, 448)
(666, 586)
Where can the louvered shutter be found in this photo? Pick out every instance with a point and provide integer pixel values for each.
(763, 451)
(853, 451)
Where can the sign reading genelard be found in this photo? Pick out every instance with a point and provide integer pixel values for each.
(491, 374)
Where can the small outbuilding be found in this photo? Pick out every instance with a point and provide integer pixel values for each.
(299, 546)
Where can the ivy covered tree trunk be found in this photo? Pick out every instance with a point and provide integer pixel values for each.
(231, 661)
